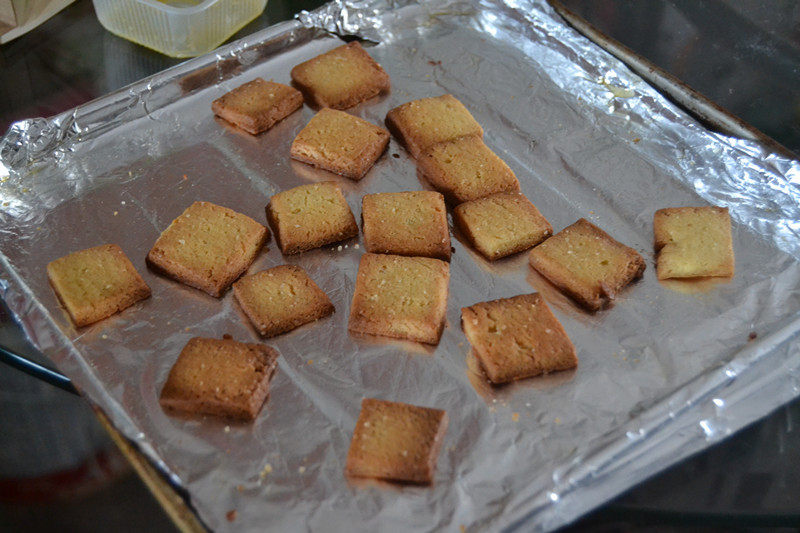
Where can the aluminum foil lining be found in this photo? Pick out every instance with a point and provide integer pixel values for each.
(671, 369)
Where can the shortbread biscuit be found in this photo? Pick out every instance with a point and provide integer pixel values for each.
(208, 247)
(466, 169)
(281, 299)
(406, 223)
(310, 216)
(341, 143)
(341, 78)
(257, 105)
(220, 377)
(396, 442)
(420, 124)
(95, 283)
(517, 338)
(693, 242)
(400, 297)
(587, 264)
(501, 224)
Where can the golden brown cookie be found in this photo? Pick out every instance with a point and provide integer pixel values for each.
(466, 169)
(396, 442)
(420, 124)
(257, 105)
(95, 283)
(400, 297)
(281, 299)
(406, 223)
(693, 242)
(341, 143)
(501, 224)
(220, 377)
(517, 338)
(341, 78)
(587, 264)
(310, 216)
(208, 247)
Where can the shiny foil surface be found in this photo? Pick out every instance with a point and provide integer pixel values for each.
(668, 370)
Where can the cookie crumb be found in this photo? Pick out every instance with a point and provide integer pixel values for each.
(752, 336)
(265, 471)
(231, 515)
(515, 417)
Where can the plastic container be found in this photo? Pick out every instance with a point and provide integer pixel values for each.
(177, 28)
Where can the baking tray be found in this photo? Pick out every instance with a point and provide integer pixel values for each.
(669, 370)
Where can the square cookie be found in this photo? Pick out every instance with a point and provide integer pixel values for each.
(95, 283)
(693, 242)
(406, 223)
(587, 264)
(257, 105)
(341, 78)
(396, 442)
(310, 216)
(517, 338)
(423, 123)
(281, 299)
(208, 247)
(466, 169)
(220, 377)
(341, 143)
(400, 297)
(501, 224)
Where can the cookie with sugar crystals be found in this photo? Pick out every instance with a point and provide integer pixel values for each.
(421, 124)
(693, 242)
(517, 338)
(341, 78)
(310, 216)
(95, 283)
(257, 105)
(281, 299)
(400, 297)
(208, 247)
(396, 442)
(341, 143)
(220, 377)
(587, 264)
(466, 169)
(410, 223)
(501, 224)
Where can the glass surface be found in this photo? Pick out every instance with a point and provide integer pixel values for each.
(742, 54)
